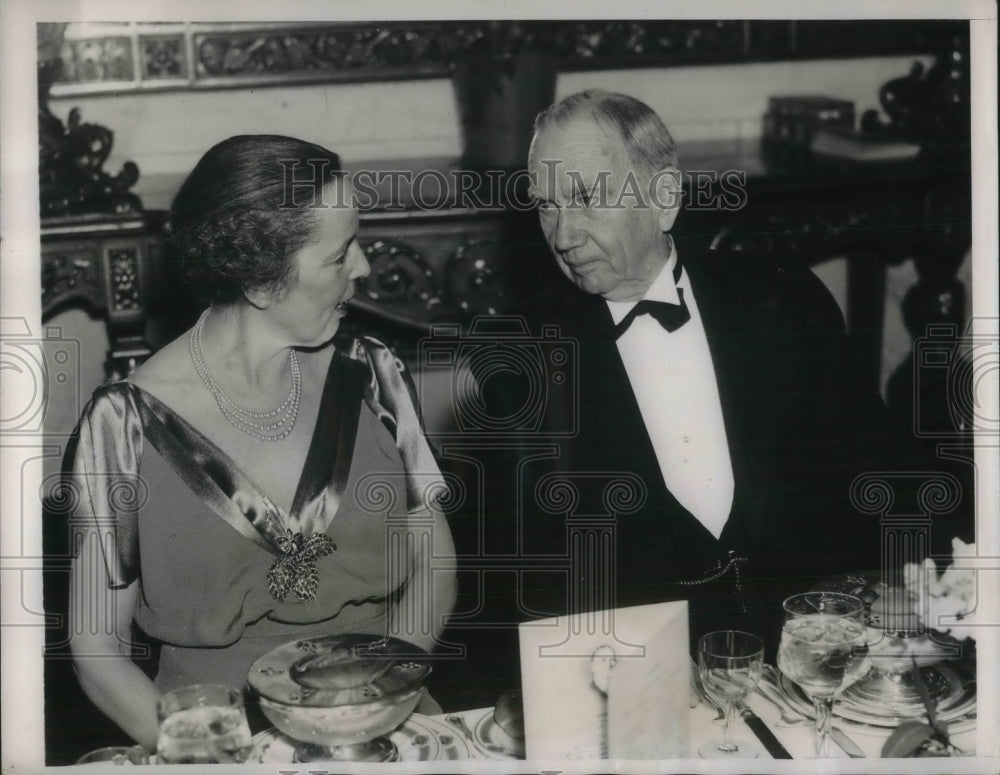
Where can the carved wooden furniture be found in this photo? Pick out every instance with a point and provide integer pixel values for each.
(145, 57)
(451, 263)
(454, 260)
(104, 263)
(874, 215)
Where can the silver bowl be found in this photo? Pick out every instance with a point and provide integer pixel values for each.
(340, 695)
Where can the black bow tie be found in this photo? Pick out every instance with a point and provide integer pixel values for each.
(670, 316)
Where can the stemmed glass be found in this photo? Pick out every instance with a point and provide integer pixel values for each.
(729, 664)
(824, 650)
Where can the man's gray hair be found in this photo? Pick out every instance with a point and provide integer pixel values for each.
(646, 137)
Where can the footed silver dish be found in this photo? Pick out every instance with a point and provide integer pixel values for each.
(340, 695)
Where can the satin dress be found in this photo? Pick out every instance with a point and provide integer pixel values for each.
(223, 575)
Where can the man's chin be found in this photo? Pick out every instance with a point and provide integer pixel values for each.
(590, 278)
(590, 284)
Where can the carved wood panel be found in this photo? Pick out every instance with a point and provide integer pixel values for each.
(429, 269)
(451, 265)
(72, 273)
(151, 56)
(123, 273)
(107, 272)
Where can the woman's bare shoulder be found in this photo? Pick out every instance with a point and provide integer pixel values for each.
(169, 372)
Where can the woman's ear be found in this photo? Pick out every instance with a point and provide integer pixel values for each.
(258, 298)
(667, 195)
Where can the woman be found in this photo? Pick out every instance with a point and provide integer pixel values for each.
(240, 489)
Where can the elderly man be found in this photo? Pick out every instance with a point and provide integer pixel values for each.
(721, 387)
(719, 420)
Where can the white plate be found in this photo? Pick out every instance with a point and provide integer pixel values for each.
(419, 739)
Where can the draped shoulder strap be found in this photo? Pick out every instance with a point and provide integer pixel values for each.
(101, 480)
(213, 476)
(390, 394)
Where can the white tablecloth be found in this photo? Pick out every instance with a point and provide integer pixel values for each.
(798, 740)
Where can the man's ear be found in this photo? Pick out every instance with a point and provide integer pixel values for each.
(667, 193)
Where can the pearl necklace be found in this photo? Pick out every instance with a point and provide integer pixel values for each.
(271, 425)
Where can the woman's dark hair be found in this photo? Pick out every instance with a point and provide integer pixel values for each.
(244, 210)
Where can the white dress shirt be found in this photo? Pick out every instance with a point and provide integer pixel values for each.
(673, 380)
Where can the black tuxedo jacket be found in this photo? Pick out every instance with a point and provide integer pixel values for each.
(799, 425)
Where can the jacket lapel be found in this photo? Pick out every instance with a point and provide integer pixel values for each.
(612, 426)
(748, 373)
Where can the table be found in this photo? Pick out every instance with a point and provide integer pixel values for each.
(798, 740)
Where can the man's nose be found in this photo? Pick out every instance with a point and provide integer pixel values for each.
(567, 235)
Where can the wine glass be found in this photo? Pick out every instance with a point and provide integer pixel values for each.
(202, 724)
(824, 650)
(729, 664)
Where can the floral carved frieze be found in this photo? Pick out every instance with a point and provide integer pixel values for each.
(163, 56)
(331, 51)
(148, 56)
(98, 59)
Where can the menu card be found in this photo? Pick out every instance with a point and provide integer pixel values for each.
(608, 684)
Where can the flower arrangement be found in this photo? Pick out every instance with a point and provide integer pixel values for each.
(939, 600)
(948, 596)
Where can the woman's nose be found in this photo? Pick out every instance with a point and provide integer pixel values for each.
(360, 267)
